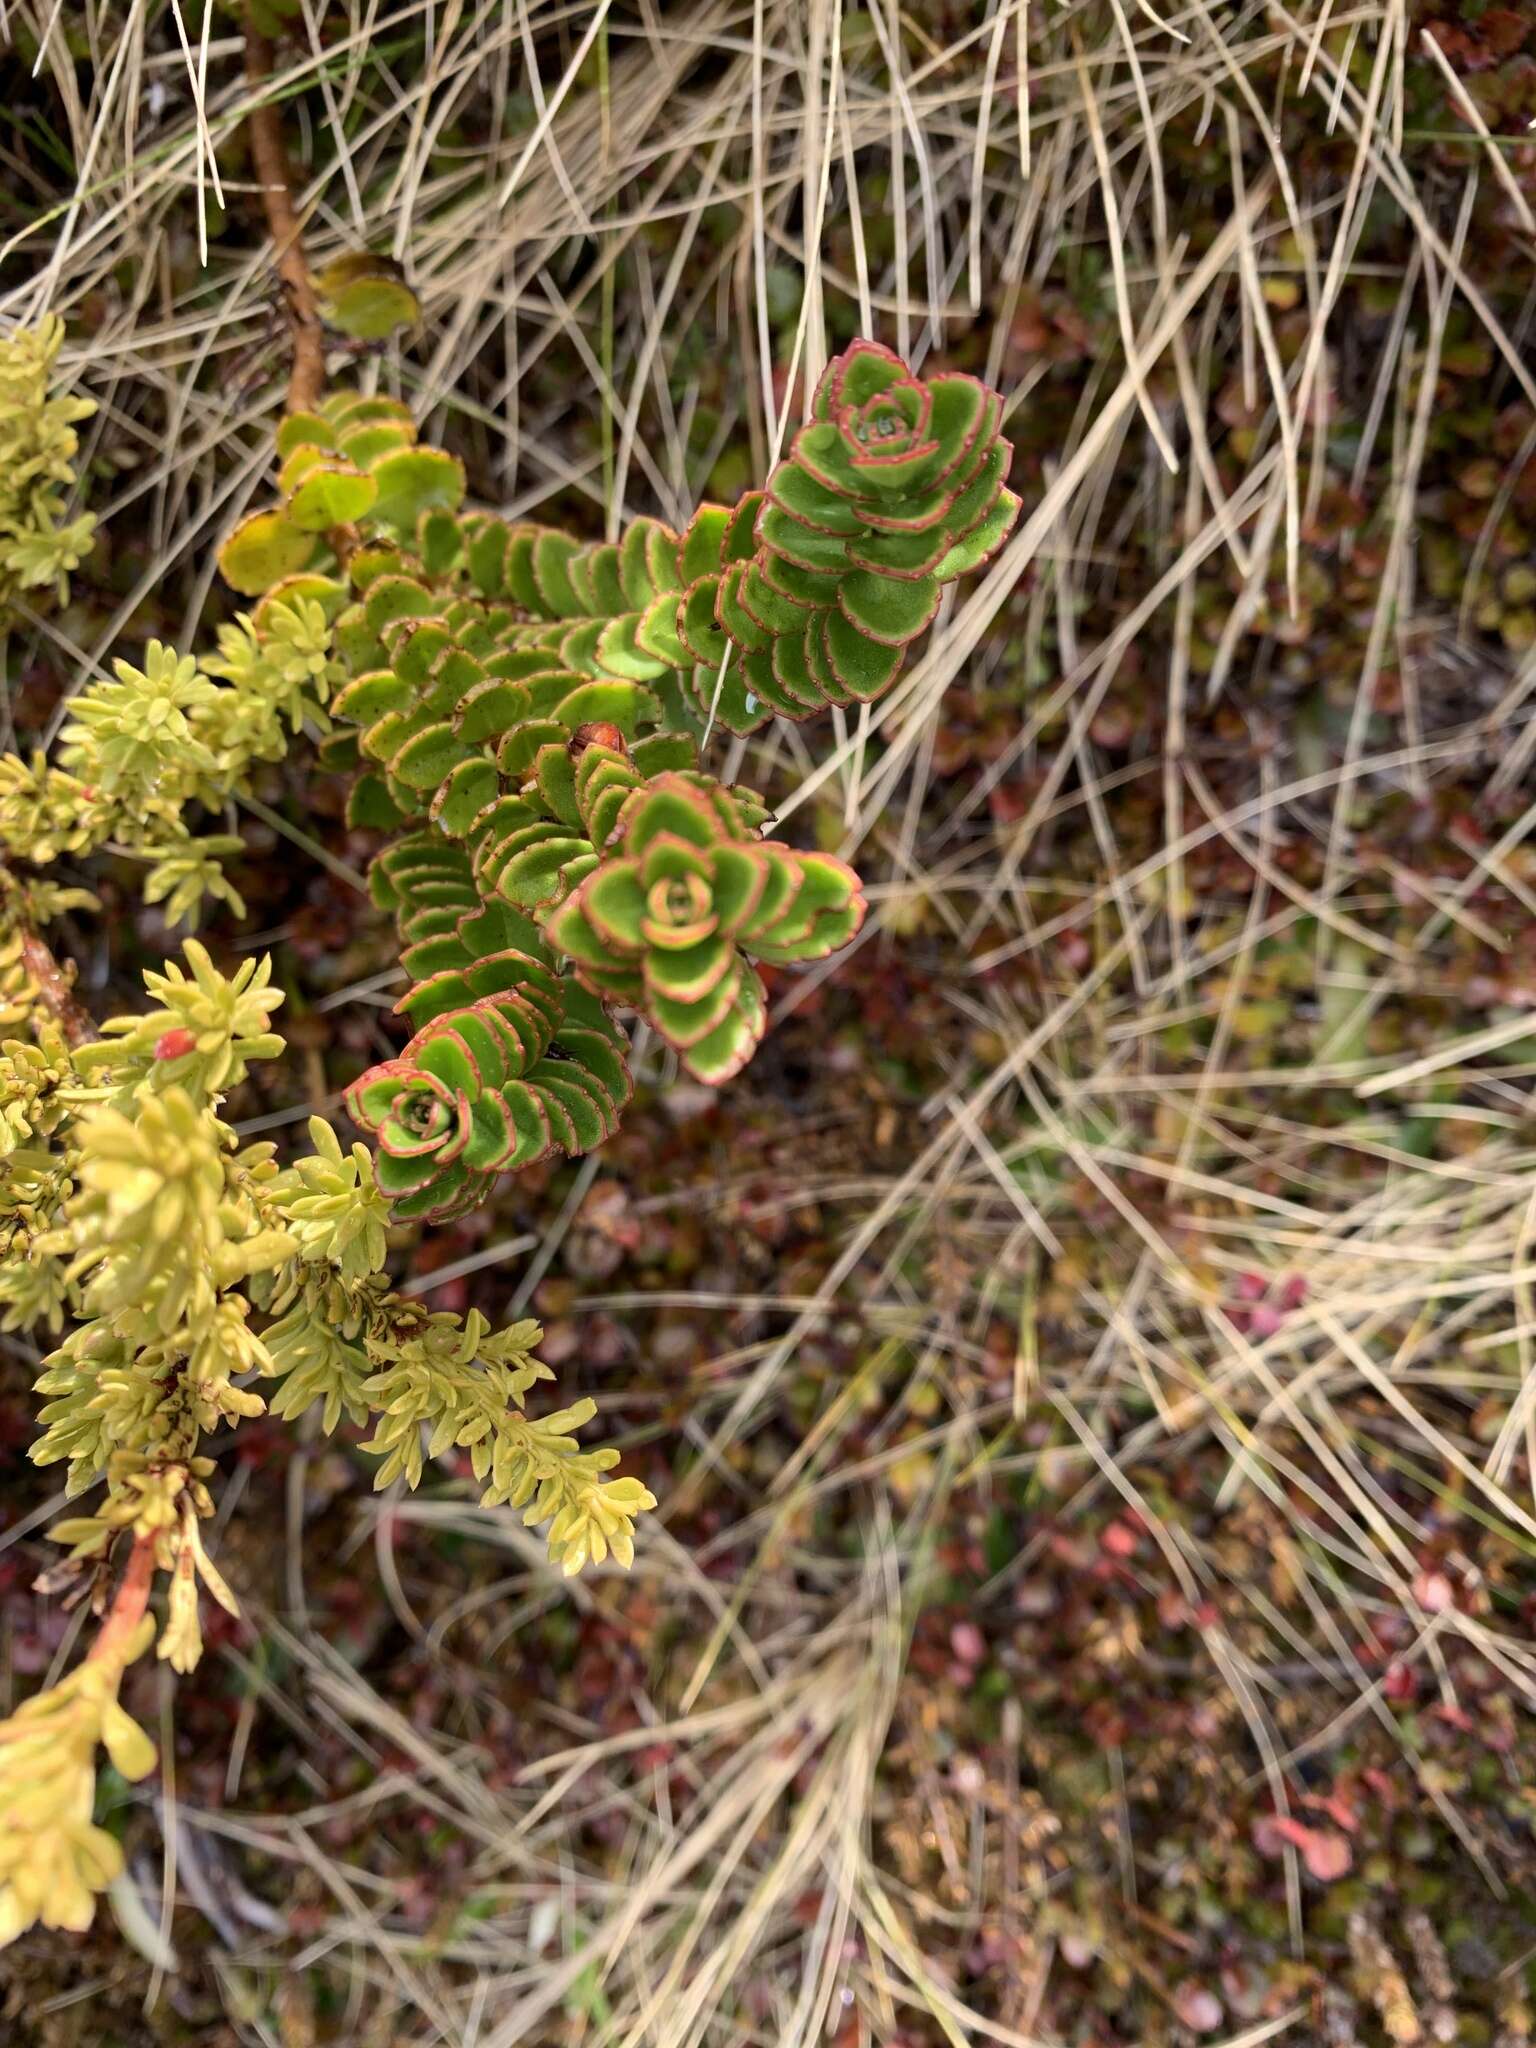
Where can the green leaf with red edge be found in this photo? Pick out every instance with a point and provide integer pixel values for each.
(647, 562)
(463, 795)
(656, 631)
(825, 912)
(532, 871)
(570, 931)
(599, 1061)
(620, 653)
(439, 1199)
(373, 1094)
(607, 580)
(864, 667)
(698, 627)
(673, 806)
(578, 568)
(983, 541)
(771, 610)
(437, 954)
(562, 1090)
(613, 903)
(491, 1140)
(738, 623)
(810, 547)
(965, 417)
(814, 588)
(441, 1052)
(900, 555)
(304, 430)
(331, 494)
(551, 559)
(684, 1023)
(802, 689)
(700, 551)
(689, 974)
(401, 1177)
(820, 453)
(805, 498)
(625, 705)
(264, 548)
(731, 698)
(887, 610)
(738, 543)
(723, 1051)
(976, 489)
(605, 780)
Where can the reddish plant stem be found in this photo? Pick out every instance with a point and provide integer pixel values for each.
(128, 1603)
(55, 986)
(265, 128)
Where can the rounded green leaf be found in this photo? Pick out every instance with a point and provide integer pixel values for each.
(411, 481)
(331, 494)
(263, 549)
(886, 608)
(371, 308)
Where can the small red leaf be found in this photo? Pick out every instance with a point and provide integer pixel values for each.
(175, 1044)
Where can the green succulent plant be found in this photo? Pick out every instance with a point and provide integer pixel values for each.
(523, 715)
(523, 706)
(893, 488)
(671, 922)
(39, 546)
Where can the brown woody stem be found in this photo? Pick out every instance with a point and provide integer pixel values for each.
(265, 128)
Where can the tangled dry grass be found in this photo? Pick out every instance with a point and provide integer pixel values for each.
(1207, 815)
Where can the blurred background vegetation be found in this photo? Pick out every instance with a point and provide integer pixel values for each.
(1085, 1364)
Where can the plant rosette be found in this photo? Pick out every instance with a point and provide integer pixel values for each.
(671, 924)
(448, 1117)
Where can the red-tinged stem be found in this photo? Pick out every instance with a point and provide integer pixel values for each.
(55, 987)
(264, 126)
(128, 1603)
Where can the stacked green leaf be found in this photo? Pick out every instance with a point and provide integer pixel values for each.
(510, 1058)
(894, 488)
(524, 709)
(354, 460)
(671, 922)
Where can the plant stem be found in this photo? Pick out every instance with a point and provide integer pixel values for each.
(128, 1603)
(56, 988)
(264, 126)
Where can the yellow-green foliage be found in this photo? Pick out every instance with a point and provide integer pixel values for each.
(53, 1859)
(38, 443)
(194, 1270)
(147, 747)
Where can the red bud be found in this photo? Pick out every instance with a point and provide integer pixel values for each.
(175, 1044)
